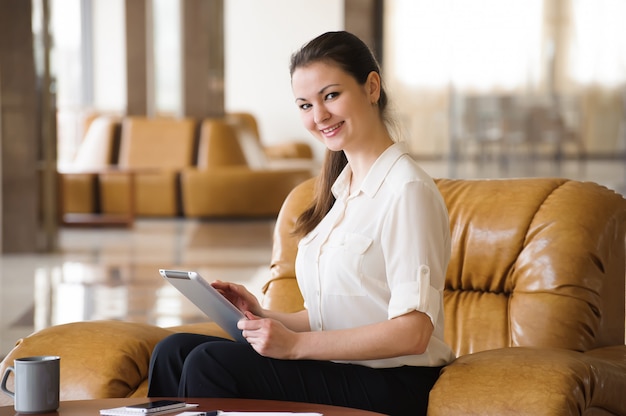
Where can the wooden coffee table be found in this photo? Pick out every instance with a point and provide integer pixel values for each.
(92, 407)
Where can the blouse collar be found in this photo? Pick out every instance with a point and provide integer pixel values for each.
(376, 175)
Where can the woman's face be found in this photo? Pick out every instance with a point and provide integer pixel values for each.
(334, 107)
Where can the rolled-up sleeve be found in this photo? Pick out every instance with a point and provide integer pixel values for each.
(416, 224)
(417, 295)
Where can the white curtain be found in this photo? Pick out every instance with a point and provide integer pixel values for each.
(435, 51)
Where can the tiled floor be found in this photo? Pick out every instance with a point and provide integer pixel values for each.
(113, 273)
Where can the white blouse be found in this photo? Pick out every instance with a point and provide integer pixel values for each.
(380, 253)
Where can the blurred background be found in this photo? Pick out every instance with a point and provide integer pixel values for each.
(467, 78)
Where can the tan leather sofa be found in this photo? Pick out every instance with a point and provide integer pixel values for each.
(534, 304)
(128, 166)
(225, 185)
(131, 166)
(153, 151)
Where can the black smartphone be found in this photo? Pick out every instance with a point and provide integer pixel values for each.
(155, 406)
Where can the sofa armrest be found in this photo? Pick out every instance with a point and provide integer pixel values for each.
(532, 381)
(610, 363)
(99, 359)
(282, 294)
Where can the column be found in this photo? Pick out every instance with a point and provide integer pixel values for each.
(364, 18)
(136, 57)
(203, 58)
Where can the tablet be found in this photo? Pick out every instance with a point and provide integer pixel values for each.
(207, 299)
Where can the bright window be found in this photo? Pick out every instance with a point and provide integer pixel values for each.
(598, 42)
(478, 45)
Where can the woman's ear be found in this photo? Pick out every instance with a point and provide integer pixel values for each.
(372, 85)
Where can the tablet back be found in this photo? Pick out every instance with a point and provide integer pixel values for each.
(207, 299)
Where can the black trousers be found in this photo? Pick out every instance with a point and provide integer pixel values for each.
(191, 365)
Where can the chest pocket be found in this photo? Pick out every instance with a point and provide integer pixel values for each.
(344, 272)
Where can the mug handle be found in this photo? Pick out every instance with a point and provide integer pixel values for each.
(4, 381)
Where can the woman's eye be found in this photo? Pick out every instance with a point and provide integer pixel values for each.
(305, 106)
(331, 95)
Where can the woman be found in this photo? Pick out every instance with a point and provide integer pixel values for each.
(371, 264)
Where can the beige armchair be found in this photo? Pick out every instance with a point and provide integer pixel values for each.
(533, 301)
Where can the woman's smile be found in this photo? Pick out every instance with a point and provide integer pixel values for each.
(332, 130)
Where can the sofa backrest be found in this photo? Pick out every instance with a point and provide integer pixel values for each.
(245, 121)
(218, 145)
(157, 143)
(535, 262)
(98, 148)
(247, 132)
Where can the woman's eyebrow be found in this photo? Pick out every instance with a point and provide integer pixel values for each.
(320, 92)
(327, 87)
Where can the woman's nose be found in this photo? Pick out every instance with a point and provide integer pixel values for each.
(320, 114)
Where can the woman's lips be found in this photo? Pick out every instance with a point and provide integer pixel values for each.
(329, 131)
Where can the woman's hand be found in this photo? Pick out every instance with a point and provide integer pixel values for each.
(268, 337)
(239, 296)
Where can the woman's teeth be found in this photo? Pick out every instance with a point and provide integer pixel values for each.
(333, 128)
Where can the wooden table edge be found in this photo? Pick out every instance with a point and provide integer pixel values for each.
(93, 407)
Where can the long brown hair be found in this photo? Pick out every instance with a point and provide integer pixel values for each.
(352, 55)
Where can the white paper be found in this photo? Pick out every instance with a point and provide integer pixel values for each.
(267, 414)
(122, 411)
(222, 413)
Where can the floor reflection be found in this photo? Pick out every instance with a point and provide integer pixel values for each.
(113, 273)
(137, 294)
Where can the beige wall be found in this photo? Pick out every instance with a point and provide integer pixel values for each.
(258, 45)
